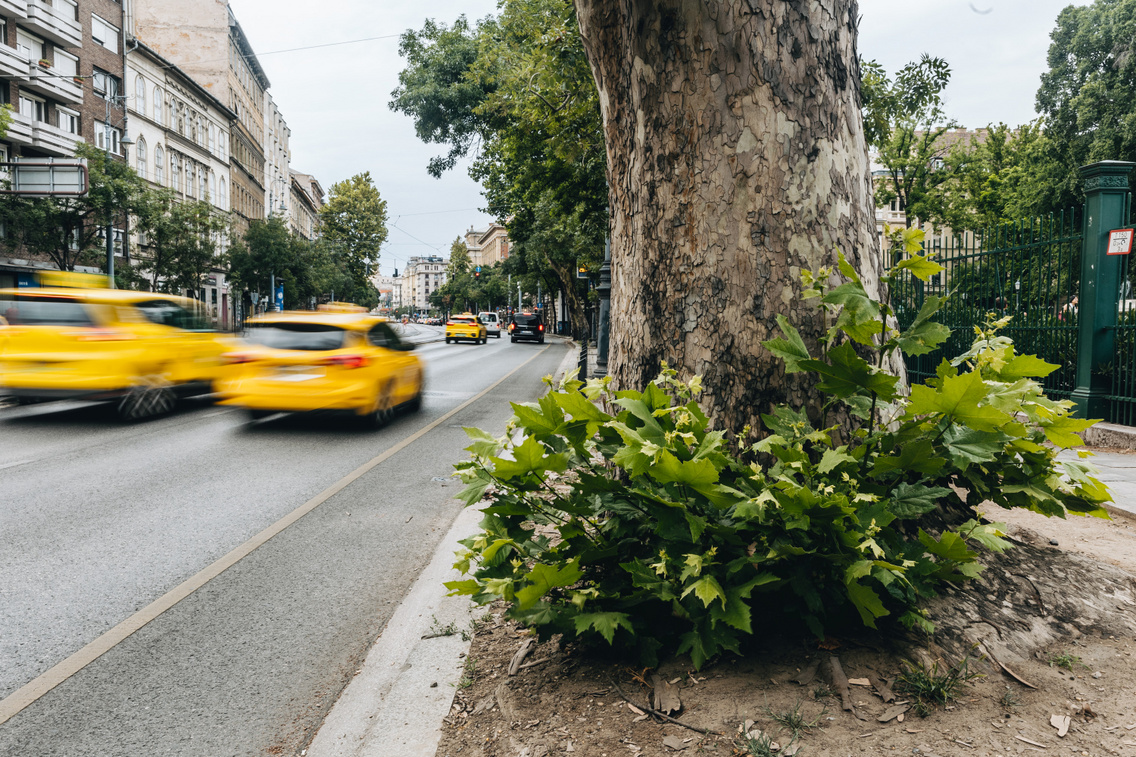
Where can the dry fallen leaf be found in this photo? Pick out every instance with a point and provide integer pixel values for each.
(859, 681)
(635, 709)
(1061, 723)
(674, 742)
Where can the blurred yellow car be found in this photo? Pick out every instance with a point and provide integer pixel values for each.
(142, 350)
(466, 326)
(332, 360)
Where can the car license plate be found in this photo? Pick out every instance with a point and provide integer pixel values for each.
(524, 331)
(297, 373)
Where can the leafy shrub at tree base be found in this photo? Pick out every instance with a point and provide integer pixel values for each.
(649, 531)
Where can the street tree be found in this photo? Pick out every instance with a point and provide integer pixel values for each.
(264, 252)
(182, 241)
(355, 219)
(460, 262)
(68, 231)
(736, 158)
(905, 125)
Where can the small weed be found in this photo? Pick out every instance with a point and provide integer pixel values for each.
(822, 691)
(794, 721)
(468, 673)
(930, 687)
(1010, 699)
(1066, 660)
(760, 745)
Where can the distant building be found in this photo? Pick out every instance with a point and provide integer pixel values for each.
(277, 160)
(305, 201)
(390, 290)
(488, 246)
(422, 276)
(218, 55)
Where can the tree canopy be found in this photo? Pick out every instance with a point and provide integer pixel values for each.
(354, 220)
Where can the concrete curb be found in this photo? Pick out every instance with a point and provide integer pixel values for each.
(395, 704)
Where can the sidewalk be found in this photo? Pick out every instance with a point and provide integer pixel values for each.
(395, 704)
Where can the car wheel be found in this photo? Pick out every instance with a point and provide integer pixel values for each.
(447, 340)
(150, 395)
(382, 410)
(540, 341)
(415, 403)
(513, 339)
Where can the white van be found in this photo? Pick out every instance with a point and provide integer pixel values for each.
(492, 324)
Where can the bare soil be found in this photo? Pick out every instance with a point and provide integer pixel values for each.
(568, 702)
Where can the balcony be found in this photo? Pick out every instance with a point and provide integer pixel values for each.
(14, 8)
(43, 81)
(54, 23)
(53, 140)
(20, 129)
(12, 63)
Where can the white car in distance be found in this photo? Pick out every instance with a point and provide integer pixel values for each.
(492, 324)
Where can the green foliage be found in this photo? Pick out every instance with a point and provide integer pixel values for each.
(904, 123)
(68, 231)
(354, 220)
(518, 85)
(182, 241)
(644, 529)
(1066, 660)
(931, 687)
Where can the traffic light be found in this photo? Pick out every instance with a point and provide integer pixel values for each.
(477, 272)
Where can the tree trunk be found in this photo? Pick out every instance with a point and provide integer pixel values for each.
(736, 157)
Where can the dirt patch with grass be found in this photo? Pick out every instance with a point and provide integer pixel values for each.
(1075, 695)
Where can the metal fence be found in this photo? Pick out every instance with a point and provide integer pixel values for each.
(1028, 270)
(1122, 369)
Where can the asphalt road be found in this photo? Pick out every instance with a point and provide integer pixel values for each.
(98, 520)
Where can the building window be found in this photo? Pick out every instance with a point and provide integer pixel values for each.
(159, 165)
(33, 108)
(140, 95)
(103, 33)
(212, 138)
(65, 64)
(189, 178)
(102, 132)
(158, 105)
(213, 186)
(68, 120)
(175, 172)
(143, 168)
(104, 83)
(28, 46)
(222, 195)
(203, 183)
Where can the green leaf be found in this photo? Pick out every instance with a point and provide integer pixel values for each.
(475, 488)
(913, 500)
(735, 614)
(958, 398)
(605, 623)
(792, 349)
(966, 446)
(919, 267)
(530, 458)
(484, 444)
(950, 546)
(859, 316)
(543, 578)
(988, 535)
(533, 420)
(1063, 431)
(707, 589)
(833, 458)
(867, 602)
(1025, 366)
(668, 469)
(918, 456)
(580, 407)
(469, 587)
(847, 373)
(924, 335)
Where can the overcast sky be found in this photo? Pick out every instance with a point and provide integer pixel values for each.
(334, 98)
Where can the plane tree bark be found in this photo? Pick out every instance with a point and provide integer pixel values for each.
(736, 158)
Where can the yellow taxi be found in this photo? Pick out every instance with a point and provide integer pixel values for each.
(466, 326)
(70, 339)
(339, 358)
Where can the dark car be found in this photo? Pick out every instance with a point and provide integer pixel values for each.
(527, 326)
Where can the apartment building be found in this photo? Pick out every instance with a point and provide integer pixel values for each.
(277, 160)
(487, 246)
(390, 290)
(61, 64)
(181, 141)
(421, 277)
(305, 201)
(219, 57)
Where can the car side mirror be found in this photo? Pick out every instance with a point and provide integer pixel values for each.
(407, 346)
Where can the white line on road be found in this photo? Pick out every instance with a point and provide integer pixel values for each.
(60, 672)
(13, 465)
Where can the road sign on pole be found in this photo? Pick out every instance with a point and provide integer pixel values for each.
(46, 177)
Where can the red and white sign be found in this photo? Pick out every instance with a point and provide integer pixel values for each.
(1120, 241)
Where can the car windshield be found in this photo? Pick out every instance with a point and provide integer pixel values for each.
(297, 336)
(526, 320)
(45, 311)
(461, 319)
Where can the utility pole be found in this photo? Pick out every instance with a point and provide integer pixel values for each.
(106, 166)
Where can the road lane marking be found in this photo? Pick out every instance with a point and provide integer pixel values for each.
(27, 694)
(13, 465)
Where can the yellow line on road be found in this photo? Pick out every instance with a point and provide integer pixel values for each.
(57, 674)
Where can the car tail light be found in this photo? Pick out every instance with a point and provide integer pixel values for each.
(540, 327)
(450, 323)
(347, 361)
(512, 326)
(236, 358)
(102, 335)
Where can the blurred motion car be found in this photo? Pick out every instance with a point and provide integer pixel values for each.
(527, 326)
(492, 323)
(466, 326)
(72, 340)
(334, 359)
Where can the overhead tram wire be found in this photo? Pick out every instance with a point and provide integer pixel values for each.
(298, 49)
